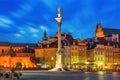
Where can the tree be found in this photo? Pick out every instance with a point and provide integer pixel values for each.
(18, 66)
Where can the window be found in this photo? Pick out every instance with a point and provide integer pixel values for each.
(75, 48)
(2, 51)
(81, 49)
(72, 48)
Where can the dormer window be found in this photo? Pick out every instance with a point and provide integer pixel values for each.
(108, 43)
(73, 43)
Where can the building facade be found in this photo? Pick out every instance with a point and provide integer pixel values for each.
(11, 56)
(78, 55)
(47, 56)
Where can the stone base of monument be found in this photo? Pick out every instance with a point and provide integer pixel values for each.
(57, 69)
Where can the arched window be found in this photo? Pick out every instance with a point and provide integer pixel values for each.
(2, 51)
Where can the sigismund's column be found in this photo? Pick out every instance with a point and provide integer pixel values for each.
(58, 54)
(58, 66)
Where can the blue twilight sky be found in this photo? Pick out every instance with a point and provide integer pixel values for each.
(26, 20)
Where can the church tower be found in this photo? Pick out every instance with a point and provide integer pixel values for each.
(99, 31)
(45, 39)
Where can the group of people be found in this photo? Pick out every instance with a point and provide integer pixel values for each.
(11, 76)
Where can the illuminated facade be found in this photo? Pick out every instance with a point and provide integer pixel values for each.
(11, 62)
(90, 59)
(109, 61)
(99, 31)
(104, 49)
(106, 52)
(67, 56)
(78, 54)
(46, 51)
(10, 56)
(116, 58)
(46, 55)
(100, 53)
(103, 56)
(99, 57)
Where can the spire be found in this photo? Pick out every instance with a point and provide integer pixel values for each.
(45, 35)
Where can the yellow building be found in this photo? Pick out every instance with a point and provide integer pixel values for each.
(103, 56)
(106, 51)
(46, 51)
(78, 54)
(90, 59)
(47, 55)
(66, 56)
(109, 57)
(116, 58)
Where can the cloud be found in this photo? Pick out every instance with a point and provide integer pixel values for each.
(33, 30)
(4, 25)
(43, 28)
(35, 35)
(48, 3)
(22, 32)
(52, 5)
(18, 35)
(76, 25)
(29, 29)
(24, 8)
(5, 22)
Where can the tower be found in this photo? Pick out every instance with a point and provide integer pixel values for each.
(45, 39)
(45, 36)
(99, 31)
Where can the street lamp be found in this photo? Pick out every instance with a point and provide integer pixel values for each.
(52, 58)
(101, 63)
